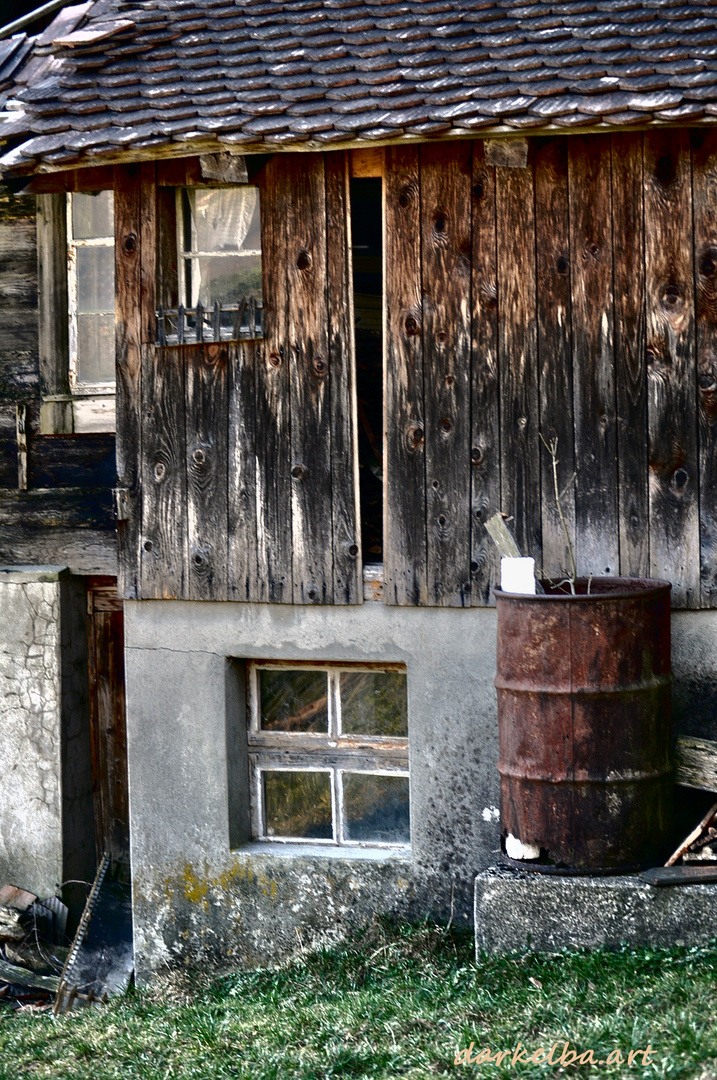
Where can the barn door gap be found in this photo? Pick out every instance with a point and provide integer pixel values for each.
(367, 258)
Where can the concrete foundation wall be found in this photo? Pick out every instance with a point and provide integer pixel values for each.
(202, 893)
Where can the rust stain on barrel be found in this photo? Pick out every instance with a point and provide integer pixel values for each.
(584, 724)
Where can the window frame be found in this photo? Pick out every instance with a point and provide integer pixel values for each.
(333, 752)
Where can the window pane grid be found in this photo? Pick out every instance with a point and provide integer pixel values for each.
(90, 276)
(367, 774)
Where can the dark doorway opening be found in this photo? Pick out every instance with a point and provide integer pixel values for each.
(367, 256)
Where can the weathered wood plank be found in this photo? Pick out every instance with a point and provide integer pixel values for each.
(552, 236)
(163, 550)
(311, 531)
(517, 343)
(485, 385)
(128, 281)
(630, 364)
(446, 175)
(272, 399)
(206, 455)
(347, 571)
(242, 565)
(704, 193)
(485, 414)
(79, 508)
(596, 541)
(83, 551)
(696, 763)
(672, 405)
(72, 461)
(53, 340)
(404, 451)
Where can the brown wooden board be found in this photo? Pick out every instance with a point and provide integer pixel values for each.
(163, 544)
(272, 400)
(242, 580)
(446, 175)
(552, 243)
(596, 541)
(517, 342)
(108, 735)
(704, 193)
(206, 420)
(404, 529)
(346, 540)
(485, 418)
(671, 374)
(128, 281)
(308, 353)
(630, 364)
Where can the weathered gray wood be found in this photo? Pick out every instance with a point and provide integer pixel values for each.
(672, 405)
(446, 181)
(272, 399)
(79, 508)
(19, 372)
(630, 364)
(307, 330)
(519, 407)
(21, 435)
(696, 763)
(83, 550)
(485, 418)
(242, 563)
(128, 281)
(53, 339)
(552, 235)
(163, 544)
(346, 539)
(206, 455)
(71, 460)
(704, 193)
(502, 537)
(591, 245)
(404, 449)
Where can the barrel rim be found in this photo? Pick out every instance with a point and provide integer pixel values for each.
(619, 588)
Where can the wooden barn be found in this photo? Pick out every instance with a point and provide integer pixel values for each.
(291, 290)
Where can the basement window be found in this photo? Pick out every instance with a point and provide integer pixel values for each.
(328, 753)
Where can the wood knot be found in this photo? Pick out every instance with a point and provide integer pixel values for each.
(476, 455)
(478, 190)
(680, 479)
(708, 263)
(450, 379)
(299, 472)
(274, 359)
(159, 470)
(665, 170)
(303, 262)
(320, 366)
(415, 437)
(671, 295)
(446, 424)
(440, 222)
(562, 265)
(442, 519)
(442, 337)
(148, 545)
(312, 593)
(129, 244)
(411, 326)
(405, 197)
(353, 551)
(199, 559)
(198, 456)
(475, 567)
(435, 485)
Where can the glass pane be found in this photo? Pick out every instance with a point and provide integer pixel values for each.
(95, 279)
(225, 278)
(225, 219)
(95, 348)
(376, 808)
(374, 703)
(294, 701)
(93, 215)
(298, 804)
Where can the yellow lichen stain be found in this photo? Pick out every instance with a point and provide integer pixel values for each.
(196, 887)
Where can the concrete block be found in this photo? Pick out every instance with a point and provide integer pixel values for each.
(518, 910)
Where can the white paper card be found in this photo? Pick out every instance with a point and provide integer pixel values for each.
(517, 576)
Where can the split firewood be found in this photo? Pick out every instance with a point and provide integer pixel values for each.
(707, 820)
(502, 537)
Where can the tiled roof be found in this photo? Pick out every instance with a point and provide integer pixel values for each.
(125, 78)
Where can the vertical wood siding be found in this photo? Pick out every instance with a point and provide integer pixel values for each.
(592, 318)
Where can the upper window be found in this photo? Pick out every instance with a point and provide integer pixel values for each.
(328, 747)
(91, 287)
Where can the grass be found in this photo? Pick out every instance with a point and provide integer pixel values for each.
(394, 1002)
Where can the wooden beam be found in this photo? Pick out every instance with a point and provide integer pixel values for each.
(368, 162)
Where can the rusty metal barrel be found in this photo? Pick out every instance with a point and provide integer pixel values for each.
(584, 718)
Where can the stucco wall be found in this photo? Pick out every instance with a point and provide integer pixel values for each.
(197, 899)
